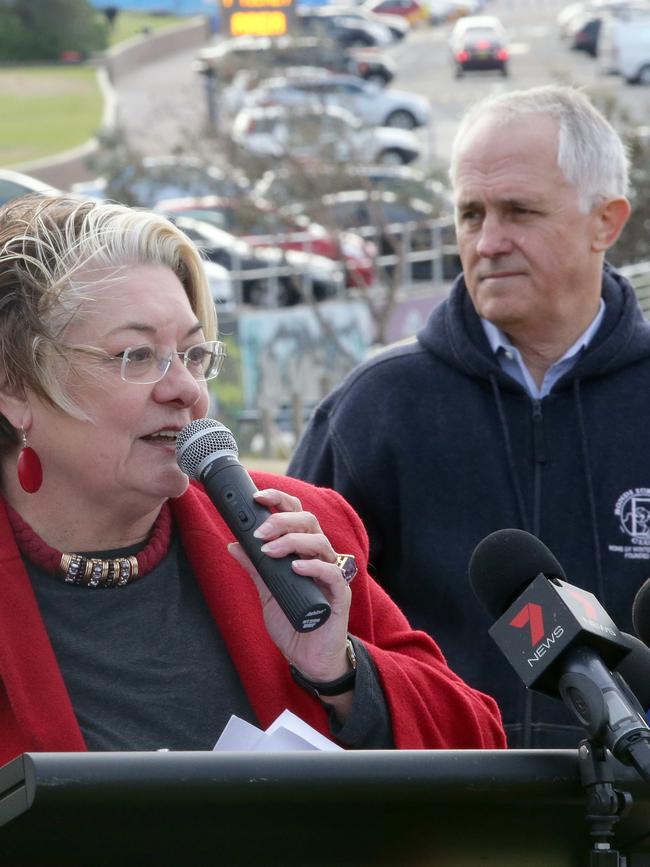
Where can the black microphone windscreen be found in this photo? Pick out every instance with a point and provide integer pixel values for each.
(641, 612)
(635, 669)
(503, 565)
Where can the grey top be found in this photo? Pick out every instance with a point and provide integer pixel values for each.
(146, 667)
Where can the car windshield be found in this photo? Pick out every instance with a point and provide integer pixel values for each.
(479, 34)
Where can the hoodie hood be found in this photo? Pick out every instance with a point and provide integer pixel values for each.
(454, 334)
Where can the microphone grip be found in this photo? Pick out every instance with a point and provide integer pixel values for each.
(231, 489)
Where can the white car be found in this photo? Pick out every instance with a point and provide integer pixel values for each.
(332, 133)
(399, 27)
(624, 43)
(449, 10)
(220, 283)
(13, 184)
(478, 23)
(373, 105)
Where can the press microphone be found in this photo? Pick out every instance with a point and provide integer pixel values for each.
(635, 670)
(560, 640)
(641, 612)
(206, 451)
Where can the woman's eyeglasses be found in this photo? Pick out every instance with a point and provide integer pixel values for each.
(148, 364)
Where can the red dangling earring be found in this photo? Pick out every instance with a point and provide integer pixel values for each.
(29, 469)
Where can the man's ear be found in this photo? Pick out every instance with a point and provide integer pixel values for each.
(610, 217)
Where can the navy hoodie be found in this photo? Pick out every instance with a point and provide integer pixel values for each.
(435, 447)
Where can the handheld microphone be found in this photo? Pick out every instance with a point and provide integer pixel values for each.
(560, 640)
(206, 451)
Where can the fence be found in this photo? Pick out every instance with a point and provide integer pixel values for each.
(639, 277)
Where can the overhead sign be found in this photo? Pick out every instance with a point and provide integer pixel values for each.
(256, 17)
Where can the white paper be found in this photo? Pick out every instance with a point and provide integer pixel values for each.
(288, 733)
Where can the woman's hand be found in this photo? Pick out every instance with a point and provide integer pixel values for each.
(320, 655)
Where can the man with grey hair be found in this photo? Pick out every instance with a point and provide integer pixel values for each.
(522, 403)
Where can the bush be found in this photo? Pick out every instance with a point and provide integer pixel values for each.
(31, 30)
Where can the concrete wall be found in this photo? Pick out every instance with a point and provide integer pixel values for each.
(67, 168)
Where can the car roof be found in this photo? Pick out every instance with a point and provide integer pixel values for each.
(469, 22)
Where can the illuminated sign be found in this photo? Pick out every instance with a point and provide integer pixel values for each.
(256, 17)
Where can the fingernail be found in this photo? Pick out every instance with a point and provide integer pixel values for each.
(269, 546)
(261, 532)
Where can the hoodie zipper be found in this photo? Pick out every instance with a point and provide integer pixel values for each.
(539, 454)
(539, 458)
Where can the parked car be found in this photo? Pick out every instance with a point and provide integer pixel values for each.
(142, 184)
(260, 224)
(347, 31)
(443, 11)
(624, 44)
(267, 55)
(412, 10)
(14, 184)
(573, 16)
(394, 224)
(374, 106)
(566, 16)
(479, 42)
(584, 32)
(398, 26)
(221, 287)
(284, 186)
(270, 277)
(331, 133)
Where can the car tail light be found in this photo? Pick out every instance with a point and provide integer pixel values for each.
(462, 56)
(502, 54)
(483, 45)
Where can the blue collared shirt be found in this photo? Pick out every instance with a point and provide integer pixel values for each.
(513, 364)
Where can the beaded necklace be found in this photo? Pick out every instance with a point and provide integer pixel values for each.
(84, 570)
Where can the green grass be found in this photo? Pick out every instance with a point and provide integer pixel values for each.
(45, 110)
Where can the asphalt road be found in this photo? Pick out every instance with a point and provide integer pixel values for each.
(163, 106)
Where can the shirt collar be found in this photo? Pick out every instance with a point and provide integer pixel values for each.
(498, 340)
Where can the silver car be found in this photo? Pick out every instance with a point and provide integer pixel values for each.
(312, 137)
(374, 105)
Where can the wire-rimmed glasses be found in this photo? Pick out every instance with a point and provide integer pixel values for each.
(148, 364)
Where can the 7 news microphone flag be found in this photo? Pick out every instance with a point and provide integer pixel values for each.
(560, 640)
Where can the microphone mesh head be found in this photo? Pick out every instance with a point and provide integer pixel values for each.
(200, 439)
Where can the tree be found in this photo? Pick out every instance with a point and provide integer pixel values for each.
(34, 30)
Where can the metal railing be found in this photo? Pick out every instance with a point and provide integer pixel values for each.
(415, 242)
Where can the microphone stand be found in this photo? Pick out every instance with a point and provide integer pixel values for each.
(605, 804)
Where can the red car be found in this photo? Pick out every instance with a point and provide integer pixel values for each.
(412, 10)
(258, 222)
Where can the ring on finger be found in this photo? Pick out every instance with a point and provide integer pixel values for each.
(348, 566)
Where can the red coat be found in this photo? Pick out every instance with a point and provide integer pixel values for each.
(430, 707)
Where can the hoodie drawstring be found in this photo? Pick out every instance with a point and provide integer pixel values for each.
(591, 499)
(523, 518)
